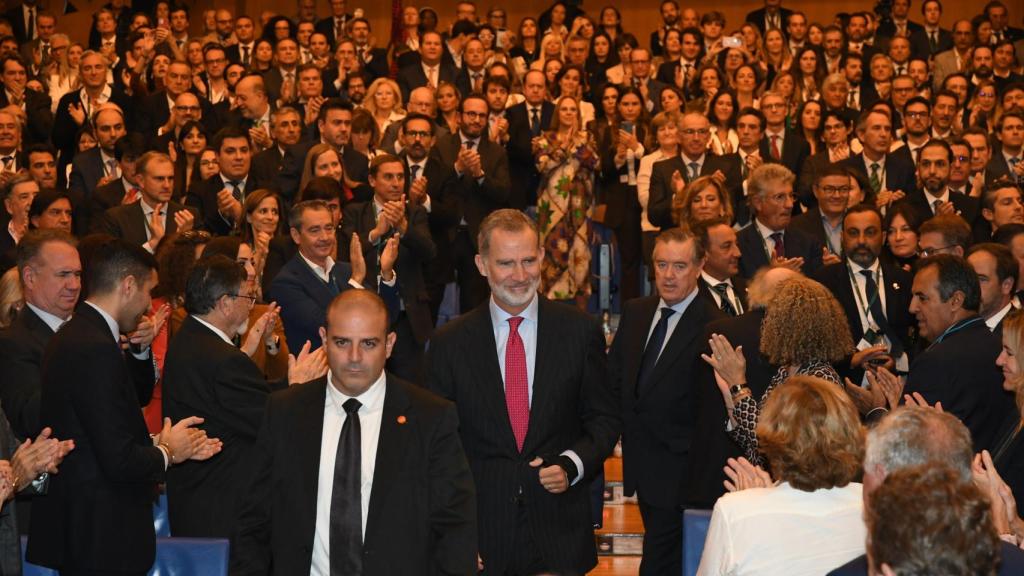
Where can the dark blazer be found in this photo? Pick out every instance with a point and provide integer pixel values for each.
(106, 197)
(377, 65)
(521, 163)
(266, 164)
(207, 377)
(921, 48)
(273, 79)
(475, 199)
(796, 243)
(622, 203)
(415, 249)
(965, 206)
(707, 457)
(659, 204)
(1012, 562)
(412, 76)
(900, 173)
(573, 408)
(16, 16)
(92, 393)
(422, 513)
(795, 150)
(443, 221)
(38, 116)
(128, 222)
(997, 167)
(961, 372)
(810, 224)
(86, 171)
(154, 111)
(21, 366)
(65, 128)
(757, 17)
(234, 53)
(326, 27)
(887, 29)
(658, 418)
(739, 286)
(202, 196)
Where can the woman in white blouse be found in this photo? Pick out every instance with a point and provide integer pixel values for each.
(665, 141)
(809, 521)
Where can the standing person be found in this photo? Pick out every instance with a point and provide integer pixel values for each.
(538, 436)
(384, 487)
(207, 375)
(653, 363)
(93, 392)
(566, 159)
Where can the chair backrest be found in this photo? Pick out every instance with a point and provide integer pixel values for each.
(161, 523)
(695, 531)
(31, 569)
(190, 556)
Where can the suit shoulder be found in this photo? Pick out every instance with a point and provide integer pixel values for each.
(457, 328)
(421, 398)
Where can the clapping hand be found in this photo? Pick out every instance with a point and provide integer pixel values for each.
(307, 366)
(916, 399)
(34, 458)
(388, 256)
(184, 220)
(730, 367)
(228, 205)
(262, 330)
(883, 390)
(828, 257)
(743, 475)
(356, 260)
(184, 442)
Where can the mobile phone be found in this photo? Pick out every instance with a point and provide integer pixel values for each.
(731, 42)
(626, 126)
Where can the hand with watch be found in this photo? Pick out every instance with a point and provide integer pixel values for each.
(730, 370)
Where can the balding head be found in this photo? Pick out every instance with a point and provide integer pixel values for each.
(251, 97)
(765, 284)
(421, 101)
(356, 340)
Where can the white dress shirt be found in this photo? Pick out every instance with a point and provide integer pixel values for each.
(370, 414)
(998, 316)
(931, 199)
(731, 292)
(528, 334)
(881, 169)
(220, 333)
(687, 161)
(784, 531)
(53, 322)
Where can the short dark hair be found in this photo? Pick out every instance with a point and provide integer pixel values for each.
(918, 100)
(333, 104)
(944, 92)
(382, 159)
(955, 275)
(32, 244)
(131, 146)
(114, 260)
(504, 82)
(936, 143)
(1006, 264)
(211, 278)
(955, 230)
(751, 111)
(702, 228)
(322, 188)
(229, 132)
(40, 148)
(988, 195)
(44, 199)
(461, 27)
(835, 169)
(417, 116)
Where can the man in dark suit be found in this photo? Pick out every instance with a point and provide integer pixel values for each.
(709, 455)
(307, 283)
(899, 25)
(49, 272)
(96, 166)
(720, 281)
(912, 437)
(526, 121)
(824, 222)
(124, 189)
(92, 392)
(997, 272)
(532, 449)
(388, 216)
(23, 20)
(245, 33)
(883, 170)
(769, 239)
(643, 80)
(36, 105)
(17, 193)
(934, 196)
(863, 93)
(693, 162)
(154, 111)
(206, 375)
(773, 15)
(1008, 161)
(1001, 203)
(146, 222)
(874, 294)
(218, 199)
(286, 128)
(318, 504)
(429, 69)
(477, 174)
(334, 26)
(958, 369)
(930, 39)
(780, 144)
(374, 60)
(653, 364)
(286, 54)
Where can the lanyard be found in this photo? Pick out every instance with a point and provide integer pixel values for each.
(954, 329)
(861, 300)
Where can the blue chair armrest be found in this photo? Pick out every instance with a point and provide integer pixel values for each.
(695, 531)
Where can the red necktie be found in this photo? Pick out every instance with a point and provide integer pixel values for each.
(517, 395)
(779, 250)
(776, 154)
(131, 196)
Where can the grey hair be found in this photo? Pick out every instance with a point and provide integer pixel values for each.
(507, 220)
(760, 177)
(912, 436)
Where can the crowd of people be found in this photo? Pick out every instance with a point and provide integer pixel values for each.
(338, 295)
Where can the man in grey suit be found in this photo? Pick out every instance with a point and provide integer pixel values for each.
(958, 58)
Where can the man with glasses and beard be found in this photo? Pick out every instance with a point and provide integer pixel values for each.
(934, 197)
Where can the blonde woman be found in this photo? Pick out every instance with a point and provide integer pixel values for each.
(384, 101)
(566, 158)
(700, 200)
(11, 298)
(63, 76)
(551, 48)
(1009, 453)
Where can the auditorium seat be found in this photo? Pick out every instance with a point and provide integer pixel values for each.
(161, 524)
(695, 530)
(174, 557)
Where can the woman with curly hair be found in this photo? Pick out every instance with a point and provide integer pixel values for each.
(804, 332)
(566, 159)
(703, 199)
(812, 437)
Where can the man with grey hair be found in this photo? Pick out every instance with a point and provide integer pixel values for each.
(913, 436)
(768, 241)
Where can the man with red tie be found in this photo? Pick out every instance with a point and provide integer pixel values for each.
(537, 414)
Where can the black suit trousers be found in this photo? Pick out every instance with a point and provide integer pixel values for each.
(663, 540)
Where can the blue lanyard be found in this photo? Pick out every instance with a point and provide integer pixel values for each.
(955, 328)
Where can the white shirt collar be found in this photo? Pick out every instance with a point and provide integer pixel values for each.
(928, 196)
(54, 322)
(371, 400)
(687, 161)
(712, 281)
(680, 306)
(215, 330)
(500, 316)
(1009, 156)
(227, 181)
(323, 273)
(998, 316)
(765, 231)
(857, 268)
(115, 331)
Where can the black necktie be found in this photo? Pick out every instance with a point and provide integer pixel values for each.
(30, 31)
(470, 144)
(875, 305)
(653, 349)
(723, 292)
(236, 191)
(346, 533)
(933, 41)
(245, 55)
(535, 122)
(414, 171)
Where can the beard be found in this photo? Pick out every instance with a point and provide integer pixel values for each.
(513, 298)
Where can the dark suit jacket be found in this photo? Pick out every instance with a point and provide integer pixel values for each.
(796, 243)
(422, 513)
(708, 456)
(377, 65)
(887, 29)
(960, 371)
(658, 418)
(997, 167)
(756, 17)
(16, 16)
(128, 222)
(573, 408)
(86, 170)
(154, 111)
(622, 204)
(207, 377)
(810, 224)
(266, 164)
(326, 27)
(899, 171)
(202, 196)
(967, 207)
(92, 393)
(795, 151)
(65, 128)
(415, 249)
(475, 199)
(38, 116)
(739, 286)
(106, 197)
(21, 365)
(659, 203)
(521, 164)
(1012, 562)
(443, 222)
(412, 76)
(920, 47)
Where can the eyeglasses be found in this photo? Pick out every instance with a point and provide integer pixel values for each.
(418, 134)
(916, 115)
(695, 131)
(836, 190)
(186, 108)
(775, 106)
(473, 115)
(251, 299)
(926, 252)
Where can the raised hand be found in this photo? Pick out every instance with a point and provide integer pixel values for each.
(262, 330)
(388, 256)
(77, 113)
(184, 220)
(228, 205)
(916, 399)
(149, 327)
(155, 225)
(356, 260)
(727, 361)
(307, 366)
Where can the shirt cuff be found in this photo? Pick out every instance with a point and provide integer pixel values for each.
(355, 284)
(426, 204)
(579, 465)
(392, 282)
(144, 355)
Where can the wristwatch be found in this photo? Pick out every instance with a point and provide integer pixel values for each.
(739, 391)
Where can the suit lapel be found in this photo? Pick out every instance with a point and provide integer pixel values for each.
(893, 293)
(544, 363)
(136, 224)
(395, 427)
(309, 429)
(638, 341)
(486, 350)
(683, 334)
